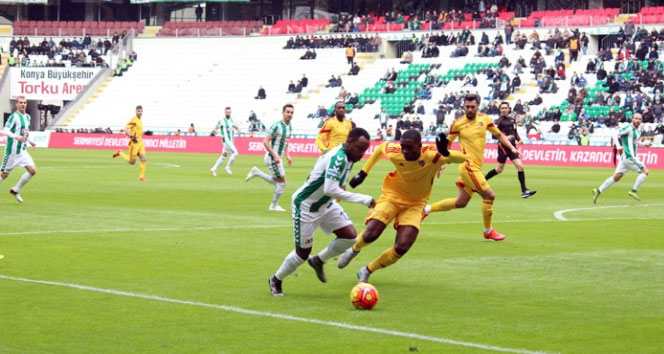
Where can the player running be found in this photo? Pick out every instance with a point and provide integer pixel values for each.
(226, 130)
(276, 147)
(507, 125)
(16, 154)
(315, 205)
(628, 138)
(471, 130)
(335, 130)
(136, 148)
(404, 194)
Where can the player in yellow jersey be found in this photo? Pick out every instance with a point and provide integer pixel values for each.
(404, 194)
(136, 149)
(471, 130)
(335, 130)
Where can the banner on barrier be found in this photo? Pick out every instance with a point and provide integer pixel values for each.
(39, 138)
(62, 84)
(551, 155)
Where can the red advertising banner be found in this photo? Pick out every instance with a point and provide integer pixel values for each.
(549, 155)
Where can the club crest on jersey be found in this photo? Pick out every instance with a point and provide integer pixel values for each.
(421, 163)
(479, 124)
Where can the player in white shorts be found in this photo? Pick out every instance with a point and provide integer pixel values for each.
(226, 131)
(16, 155)
(628, 138)
(276, 147)
(314, 205)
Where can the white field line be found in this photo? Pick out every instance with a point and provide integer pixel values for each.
(279, 316)
(560, 214)
(249, 227)
(96, 167)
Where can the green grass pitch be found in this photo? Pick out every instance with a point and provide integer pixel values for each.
(592, 284)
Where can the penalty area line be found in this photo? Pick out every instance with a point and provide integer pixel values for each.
(279, 316)
(560, 214)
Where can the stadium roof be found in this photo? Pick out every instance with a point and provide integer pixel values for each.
(194, 1)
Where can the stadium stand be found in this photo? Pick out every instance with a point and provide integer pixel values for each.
(75, 28)
(209, 28)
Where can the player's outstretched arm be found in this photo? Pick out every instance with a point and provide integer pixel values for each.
(323, 138)
(332, 189)
(8, 133)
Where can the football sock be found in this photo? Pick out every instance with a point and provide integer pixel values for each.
(278, 191)
(487, 213)
(142, 167)
(639, 181)
(491, 174)
(231, 160)
(335, 248)
(124, 156)
(359, 244)
(444, 205)
(608, 183)
(265, 177)
(389, 257)
(220, 160)
(522, 180)
(291, 262)
(22, 181)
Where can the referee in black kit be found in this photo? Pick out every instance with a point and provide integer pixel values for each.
(507, 125)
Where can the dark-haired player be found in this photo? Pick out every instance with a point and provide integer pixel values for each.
(507, 125)
(315, 205)
(404, 194)
(471, 130)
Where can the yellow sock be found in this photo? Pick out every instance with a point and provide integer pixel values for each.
(389, 257)
(487, 212)
(359, 244)
(124, 156)
(443, 205)
(142, 169)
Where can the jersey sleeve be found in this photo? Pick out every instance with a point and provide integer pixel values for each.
(323, 137)
(334, 176)
(378, 152)
(491, 126)
(454, 132)
(11, 121)
(274, 129)
(335, 169)
(131, 127)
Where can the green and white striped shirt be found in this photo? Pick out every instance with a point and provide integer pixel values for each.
(629, 140)
(325, 181)
(18, 124)
(225, 127)
(280, 132)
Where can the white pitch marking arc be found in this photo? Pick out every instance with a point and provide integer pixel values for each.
(280, 316)
(560, 214)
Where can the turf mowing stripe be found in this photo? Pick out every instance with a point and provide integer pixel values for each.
(157, 229)
(560, 214)
(280, 316)
(241, 227)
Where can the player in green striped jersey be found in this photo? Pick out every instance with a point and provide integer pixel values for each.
(16, 129)
(628, 139)
(314, 205)
(276, 147)
(227, 131)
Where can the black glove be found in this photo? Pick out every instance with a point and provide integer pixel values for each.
(358, 179)
(441, 144)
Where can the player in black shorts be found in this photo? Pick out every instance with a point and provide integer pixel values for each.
(507, 125)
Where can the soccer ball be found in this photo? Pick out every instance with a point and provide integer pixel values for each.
(364, 296)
